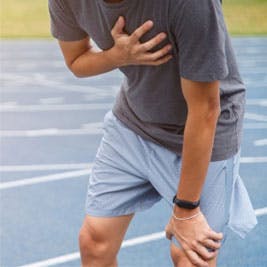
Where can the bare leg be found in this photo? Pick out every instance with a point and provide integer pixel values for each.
(100, 239)
(180, 259)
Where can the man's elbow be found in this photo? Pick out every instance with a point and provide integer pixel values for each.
(78, 74)
(213, 114)
(76, 71)
(208, 112)
(212, 110)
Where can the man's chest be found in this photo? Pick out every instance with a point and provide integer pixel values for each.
(98, 20)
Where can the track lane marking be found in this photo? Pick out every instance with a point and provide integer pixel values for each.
(44, 179)
(255, 117)
(253, 160)
(61, 107)
(85, 165)
(51, 100)
(95, 128)
(260, 142)
(257, 125)
(261, 212)
(53, 132)
(44, 167)
(71, 174)
(257, 102)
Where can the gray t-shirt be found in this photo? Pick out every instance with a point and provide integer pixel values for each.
(150, 101)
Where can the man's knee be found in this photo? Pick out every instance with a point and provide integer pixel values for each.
(179, 258)
(95, 248)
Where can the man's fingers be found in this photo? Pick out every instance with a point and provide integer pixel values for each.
(153, 42)
(162, 60)
(211, 244)
(196, 259)
(118, 27)
(203, 251)
(215, 236)
(158, 54)
(158, 62)
(139, 32)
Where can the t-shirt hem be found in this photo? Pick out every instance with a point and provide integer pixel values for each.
(176, 148)
(204, 77)
(68, 38)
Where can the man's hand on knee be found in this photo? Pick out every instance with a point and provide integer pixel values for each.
(199, 242)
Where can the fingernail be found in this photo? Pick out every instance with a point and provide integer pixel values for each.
(150, 22)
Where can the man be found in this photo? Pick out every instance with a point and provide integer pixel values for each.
(174, 131)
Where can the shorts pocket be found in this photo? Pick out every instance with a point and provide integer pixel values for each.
(214, 196)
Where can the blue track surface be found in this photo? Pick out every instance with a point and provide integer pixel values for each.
(50, 120)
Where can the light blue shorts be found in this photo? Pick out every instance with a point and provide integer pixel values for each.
(131, 174)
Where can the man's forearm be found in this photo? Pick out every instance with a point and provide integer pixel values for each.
(93, 62)
(197, 147)
(127, 50)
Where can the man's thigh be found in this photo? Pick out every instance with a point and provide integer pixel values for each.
(118, 183)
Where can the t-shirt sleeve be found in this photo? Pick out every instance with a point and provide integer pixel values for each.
(200, 35)
(63, 24)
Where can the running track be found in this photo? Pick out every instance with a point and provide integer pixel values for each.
(50, 130)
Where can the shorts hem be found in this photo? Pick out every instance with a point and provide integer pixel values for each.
(120, 212)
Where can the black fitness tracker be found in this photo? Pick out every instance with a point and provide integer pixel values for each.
(185, 204)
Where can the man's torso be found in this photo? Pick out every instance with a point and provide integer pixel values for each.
(150, 101)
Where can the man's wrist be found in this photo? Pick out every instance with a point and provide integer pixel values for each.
(187, 204)
(181, 212)
(114, 57)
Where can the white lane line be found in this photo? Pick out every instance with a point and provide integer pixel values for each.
(126, 243)
(257, 102)
(76, 256)
(52, 104)
(44, 167)
(79, 166)
(31, 79)
(257, 125)
(51, 100)
(143, 239)
(86, 129)
(10, 103)
(54, 261)
(92, 130)
(45, 107)
(261, 212)
(256, 117)
(261, 142)
(44, 179)
(91, 125)
(253, 160)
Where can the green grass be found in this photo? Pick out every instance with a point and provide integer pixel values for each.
(24, 19)
(246, 17)
(29, 18)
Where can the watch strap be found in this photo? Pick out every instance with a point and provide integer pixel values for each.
(185, 203)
